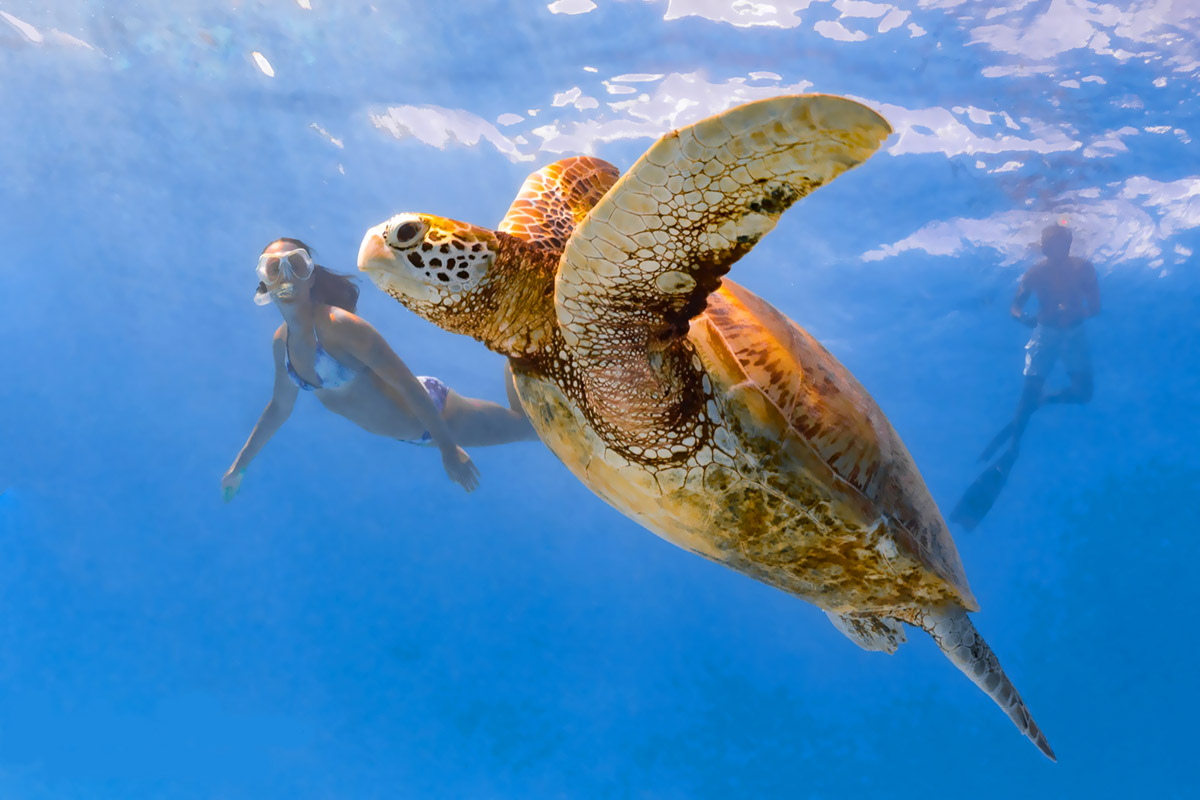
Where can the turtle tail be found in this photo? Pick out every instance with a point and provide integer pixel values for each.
(962, 644)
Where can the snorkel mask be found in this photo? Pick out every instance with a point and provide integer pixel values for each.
(274, 269)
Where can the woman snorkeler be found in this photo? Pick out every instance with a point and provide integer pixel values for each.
(325, 348)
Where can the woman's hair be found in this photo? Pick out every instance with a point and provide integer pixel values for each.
(329, 287)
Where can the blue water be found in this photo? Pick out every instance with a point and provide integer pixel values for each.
(353, 626)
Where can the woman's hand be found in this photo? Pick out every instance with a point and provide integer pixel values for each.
(231, 482)
(460, 468)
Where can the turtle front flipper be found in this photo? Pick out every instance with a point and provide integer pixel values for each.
(553, 200)
(657, 244)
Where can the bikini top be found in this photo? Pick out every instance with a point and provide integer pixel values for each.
(332, 372)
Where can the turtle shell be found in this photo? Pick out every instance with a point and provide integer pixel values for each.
(799, 481)
(821, 441)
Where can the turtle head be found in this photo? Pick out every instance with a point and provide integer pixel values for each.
(492, 286)
(430, 264)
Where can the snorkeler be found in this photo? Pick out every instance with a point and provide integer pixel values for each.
(1067, 293)
(324, 347)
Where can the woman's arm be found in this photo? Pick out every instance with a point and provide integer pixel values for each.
(283, 399)
(358, 337)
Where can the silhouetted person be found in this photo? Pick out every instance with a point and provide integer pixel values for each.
(1067, 294)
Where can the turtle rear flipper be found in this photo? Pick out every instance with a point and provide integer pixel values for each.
(878, 634)
(954, 633)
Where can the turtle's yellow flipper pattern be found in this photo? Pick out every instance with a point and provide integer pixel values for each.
(556, 198)
(653, 248)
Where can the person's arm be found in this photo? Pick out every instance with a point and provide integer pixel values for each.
(1024, 290)
(283, 399)
(358, 337)
(1091, 290)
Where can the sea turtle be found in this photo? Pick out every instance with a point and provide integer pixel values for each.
(687, 402)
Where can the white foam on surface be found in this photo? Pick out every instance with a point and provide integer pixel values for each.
(832, 29)
(740, 13)
(574, 97)
(638, 77)
(678, 100)
(863, 9)
(1109, 144)
(1126, 224)
(439, 127)
(893, 19)
(263, 64)
(571, 6)
(31, 34)
(327, 136)
(937, 130)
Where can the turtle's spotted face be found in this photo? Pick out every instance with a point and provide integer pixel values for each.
(427, 259)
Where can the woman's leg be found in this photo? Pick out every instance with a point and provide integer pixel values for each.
(479, 423)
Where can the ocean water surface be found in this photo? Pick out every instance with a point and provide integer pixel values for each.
(352, 625)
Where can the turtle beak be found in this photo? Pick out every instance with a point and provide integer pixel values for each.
(387, 271)
(373, 254)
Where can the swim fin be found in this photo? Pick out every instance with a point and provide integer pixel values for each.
(1000, 438)
(981, 495)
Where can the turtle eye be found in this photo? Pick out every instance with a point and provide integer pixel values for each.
(406, 234)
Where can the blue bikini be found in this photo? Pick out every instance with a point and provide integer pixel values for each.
(333, 373)
(437, 392)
